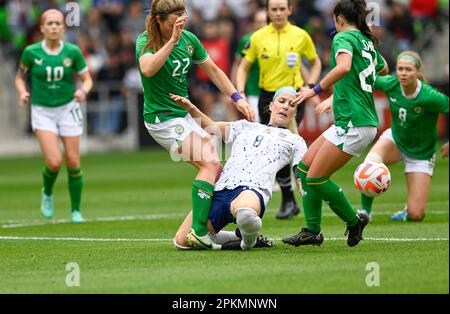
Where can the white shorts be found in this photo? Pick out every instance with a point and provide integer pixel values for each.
(171, 133)
(354, 141)
(66, 120)
(412, 164)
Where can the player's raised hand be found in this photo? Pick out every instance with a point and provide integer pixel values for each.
(24, 98)
(303, 94)
(182, 102)
(324, 106)
(243, 107)
(178, 28)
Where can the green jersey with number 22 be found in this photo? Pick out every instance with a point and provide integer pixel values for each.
(353, 103)
(171, 78)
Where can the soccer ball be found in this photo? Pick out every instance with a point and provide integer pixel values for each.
(372, 178)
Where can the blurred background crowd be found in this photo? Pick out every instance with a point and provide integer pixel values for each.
(108, 29)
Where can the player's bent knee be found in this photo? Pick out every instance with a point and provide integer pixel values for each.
(54, 164)
(248, 220)
(73, 162)
(179, 241)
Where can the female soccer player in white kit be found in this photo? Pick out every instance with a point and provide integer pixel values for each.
(245, 185)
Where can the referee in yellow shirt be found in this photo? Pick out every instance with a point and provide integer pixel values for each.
(279, 48)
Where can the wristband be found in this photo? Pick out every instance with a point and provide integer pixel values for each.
(83, 91)
(236, 97)
(317, 89)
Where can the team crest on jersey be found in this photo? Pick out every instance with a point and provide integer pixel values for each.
(190, 49)
(418, 109)
(67, 62)
(179, 129)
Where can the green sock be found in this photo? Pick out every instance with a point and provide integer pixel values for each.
(75, 188)
(202, 194)
(49, 178)
(366, 203)
(333, 195)
(312, 202)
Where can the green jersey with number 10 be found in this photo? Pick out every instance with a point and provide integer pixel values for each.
(171, 78)
(353, 103)
(52, 73)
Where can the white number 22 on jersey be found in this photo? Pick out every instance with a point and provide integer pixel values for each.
(370, 70)
(176, 71)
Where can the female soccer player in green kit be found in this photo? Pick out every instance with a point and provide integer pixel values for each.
(412, 138)
(165, 53)
(55, 108)
(355, 63)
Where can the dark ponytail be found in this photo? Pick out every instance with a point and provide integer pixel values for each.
(354, 11)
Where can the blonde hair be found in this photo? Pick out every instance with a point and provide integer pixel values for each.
(292, 125)
(414, 56)
(161, 8)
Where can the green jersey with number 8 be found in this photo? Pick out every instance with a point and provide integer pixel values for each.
(414, 118)
(171, 78)
(52, 73)
(353, 103)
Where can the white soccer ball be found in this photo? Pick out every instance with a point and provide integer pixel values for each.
(372, 178)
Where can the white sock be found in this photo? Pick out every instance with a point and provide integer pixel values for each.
(373, 157)
(249, 224)
(222, 236)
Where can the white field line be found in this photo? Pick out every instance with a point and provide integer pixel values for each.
(28, 238)
(28, 223)
(23, 223)
(19, 224)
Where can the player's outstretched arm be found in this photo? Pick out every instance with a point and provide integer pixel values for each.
(219, 78)
(343, 66)
(325, 106)
(220, 128)
(21, 85)
(86, 86)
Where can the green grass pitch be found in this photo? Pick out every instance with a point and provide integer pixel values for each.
(135, 202)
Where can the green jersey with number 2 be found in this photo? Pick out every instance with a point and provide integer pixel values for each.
(414, 118)
(353, 103)
(171, 78)
(52, 73)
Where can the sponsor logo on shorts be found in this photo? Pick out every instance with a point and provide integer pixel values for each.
(339, 131)
(179, 129)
